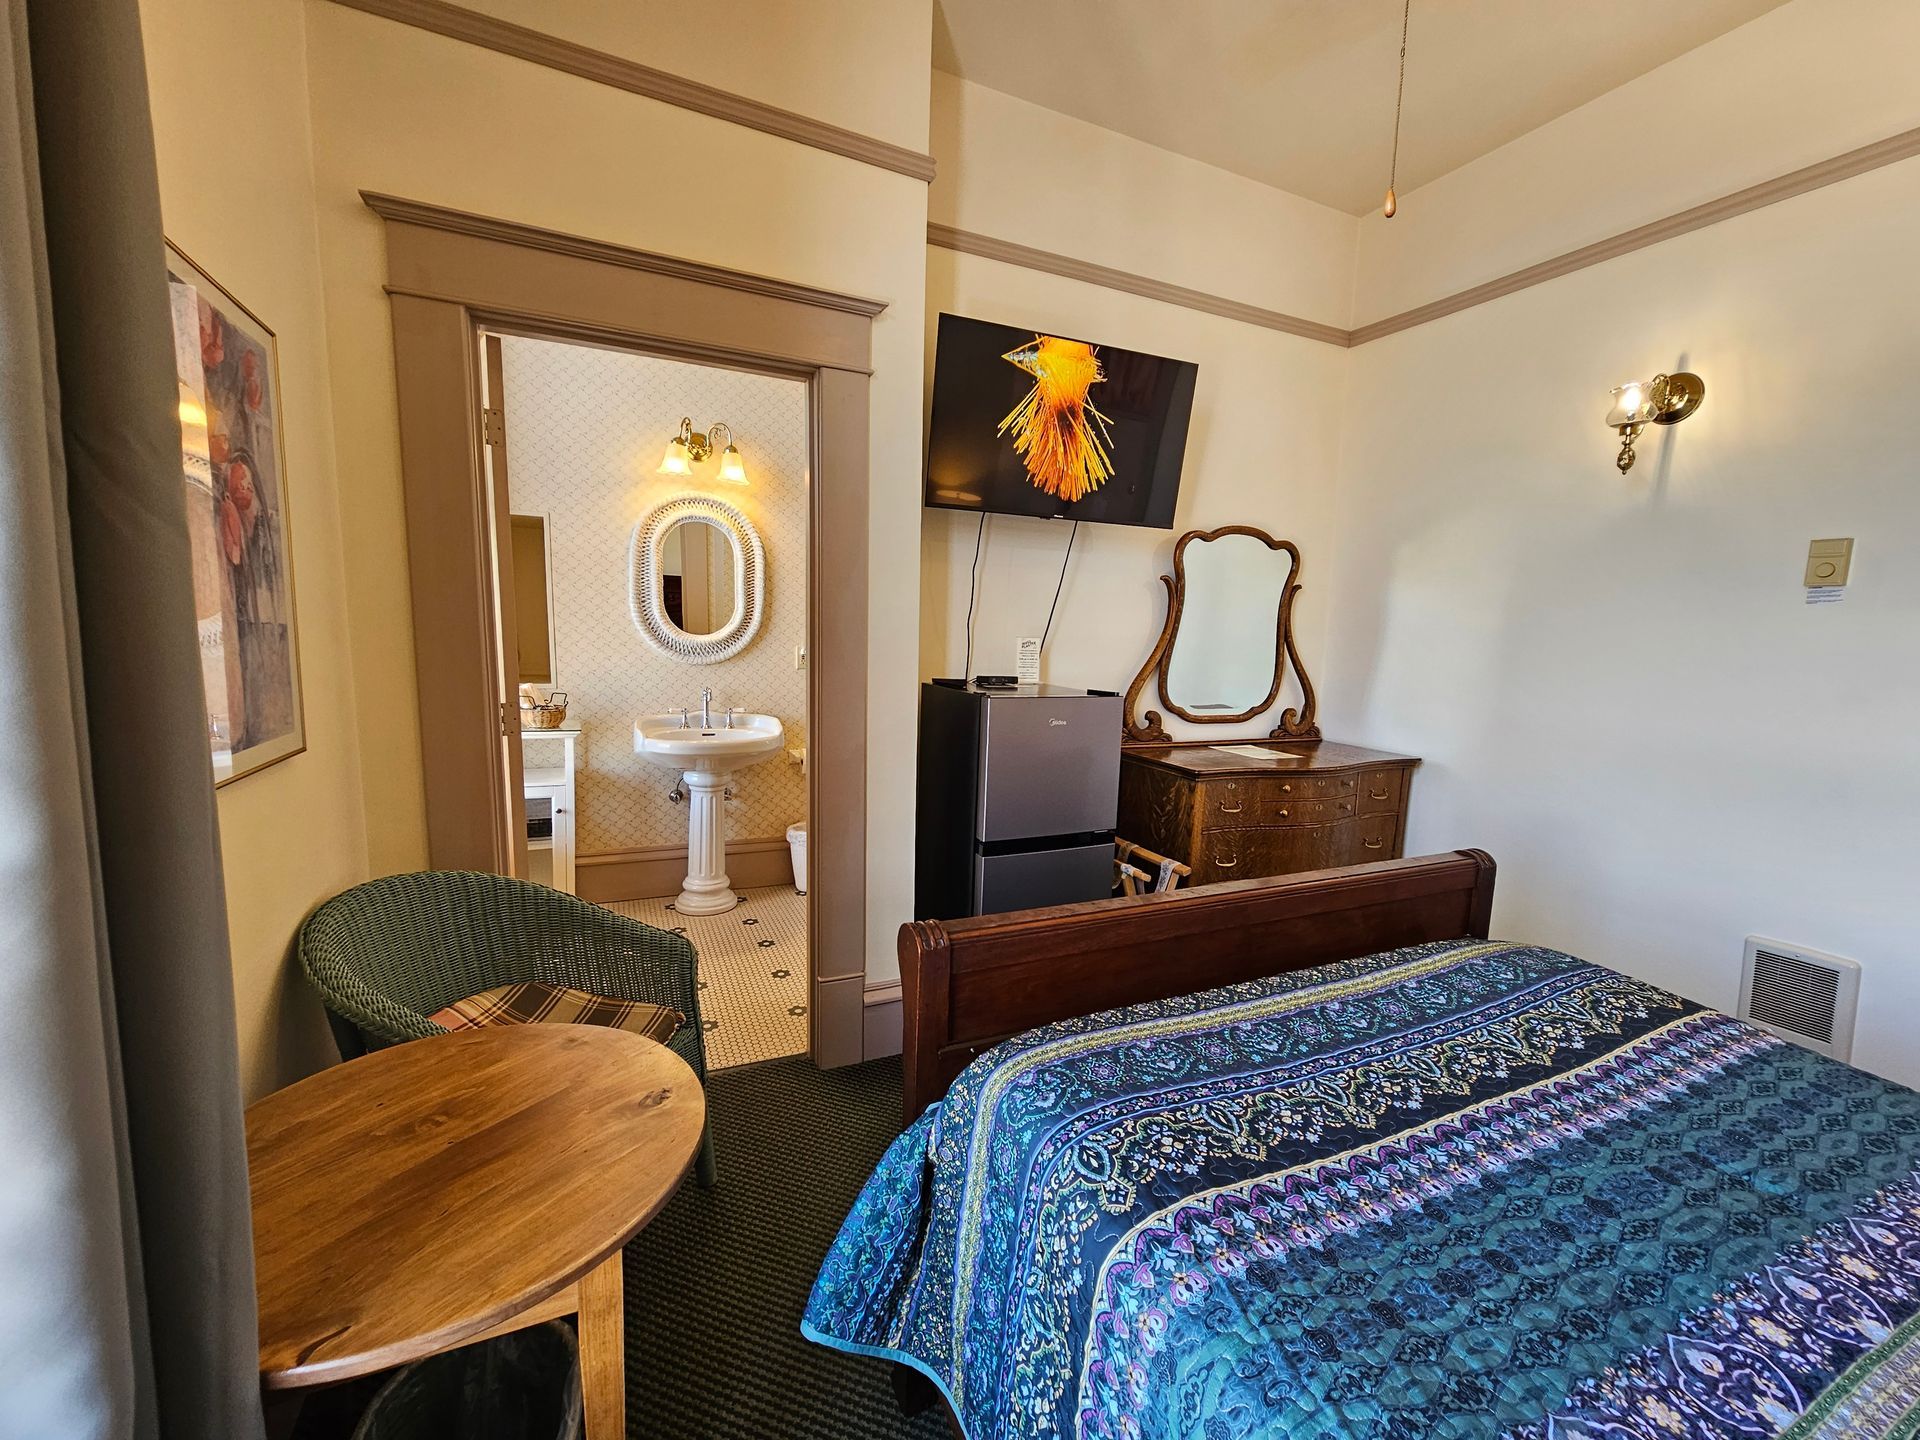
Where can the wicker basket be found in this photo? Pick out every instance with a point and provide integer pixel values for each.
(548, 715)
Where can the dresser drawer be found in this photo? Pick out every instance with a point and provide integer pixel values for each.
(1277, 800)
(1314, 787)
(1371, 838)
(1382, 790)
(1272, 808)
(1270, 850)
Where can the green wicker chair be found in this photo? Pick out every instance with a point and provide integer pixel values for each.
(387, 954)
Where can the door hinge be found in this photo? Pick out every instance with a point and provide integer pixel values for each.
(493, 425)
(509, 718)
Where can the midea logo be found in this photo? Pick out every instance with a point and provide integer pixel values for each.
(1052, 721)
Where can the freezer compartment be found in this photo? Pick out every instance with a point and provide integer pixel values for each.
(1028, 879)
(1049, 765)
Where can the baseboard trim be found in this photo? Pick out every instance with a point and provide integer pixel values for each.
(882, 1018)
(655, 872)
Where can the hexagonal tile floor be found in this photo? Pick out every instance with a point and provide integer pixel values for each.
(753, 972)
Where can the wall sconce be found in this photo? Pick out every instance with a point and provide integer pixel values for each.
(1663, 400)
(690, 447)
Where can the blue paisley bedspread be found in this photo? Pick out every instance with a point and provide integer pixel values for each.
(1461, 1190)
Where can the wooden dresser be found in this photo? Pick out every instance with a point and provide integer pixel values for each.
(1232, 817)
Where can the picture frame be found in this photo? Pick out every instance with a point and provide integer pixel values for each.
(233, 462)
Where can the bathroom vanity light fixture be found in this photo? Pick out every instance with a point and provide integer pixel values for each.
(690, 447)
(1663, 400)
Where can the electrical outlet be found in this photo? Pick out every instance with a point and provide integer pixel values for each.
(799, 657)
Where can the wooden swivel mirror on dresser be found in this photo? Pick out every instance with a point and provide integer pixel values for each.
(1235, 808)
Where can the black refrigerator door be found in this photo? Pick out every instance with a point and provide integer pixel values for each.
(1033, 878)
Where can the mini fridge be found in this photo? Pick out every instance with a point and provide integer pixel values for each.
(1019, 790)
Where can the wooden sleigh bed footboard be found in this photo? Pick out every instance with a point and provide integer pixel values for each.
(969, 984)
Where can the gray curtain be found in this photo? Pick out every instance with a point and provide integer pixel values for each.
(126, 1258)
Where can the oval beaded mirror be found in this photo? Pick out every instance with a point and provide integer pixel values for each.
(697, 579)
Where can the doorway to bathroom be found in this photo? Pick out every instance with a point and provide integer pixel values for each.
(654, 559)
(454, 278)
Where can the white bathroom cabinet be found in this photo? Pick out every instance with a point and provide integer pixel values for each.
(550, 805)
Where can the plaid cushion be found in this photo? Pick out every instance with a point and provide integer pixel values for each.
(535, 1002)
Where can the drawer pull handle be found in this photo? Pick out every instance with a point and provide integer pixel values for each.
(1226, 809)
(1378, 794)
(1374, 844)
(1286, 789)
(1220, 864)
(1281, 812)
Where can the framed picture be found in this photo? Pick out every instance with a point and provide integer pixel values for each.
(235, 471)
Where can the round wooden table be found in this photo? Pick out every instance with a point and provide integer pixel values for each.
(450, 1189)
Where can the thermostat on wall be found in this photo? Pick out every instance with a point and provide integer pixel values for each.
(1828, 564)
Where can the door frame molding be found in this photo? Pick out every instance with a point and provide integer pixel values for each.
(450, 275)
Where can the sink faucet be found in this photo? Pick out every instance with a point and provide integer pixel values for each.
(706, 707)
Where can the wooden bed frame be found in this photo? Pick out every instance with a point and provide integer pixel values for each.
(969, 984)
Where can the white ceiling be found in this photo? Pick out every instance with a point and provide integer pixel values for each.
(1299, 93)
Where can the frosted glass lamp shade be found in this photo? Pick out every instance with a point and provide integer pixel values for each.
(1632, 404)
(677, 460)
(733, 470)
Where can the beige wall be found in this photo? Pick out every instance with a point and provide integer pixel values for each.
(585, 430)
(1264, 444)
(1016, 171)
(398, 110)
(1616, 682)
(236, 183)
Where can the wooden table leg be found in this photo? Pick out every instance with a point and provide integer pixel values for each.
(603, 1357)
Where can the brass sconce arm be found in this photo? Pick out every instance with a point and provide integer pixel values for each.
(702, 443)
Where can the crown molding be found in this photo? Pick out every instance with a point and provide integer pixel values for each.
(505, 38)
(969, 242)
(1895, 148)
(1845, 166)
(532, 237)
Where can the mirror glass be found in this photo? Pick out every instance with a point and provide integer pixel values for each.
(697, 586)
(1226, 651)
(532, 599)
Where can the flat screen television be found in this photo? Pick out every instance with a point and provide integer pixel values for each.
(1028, 423)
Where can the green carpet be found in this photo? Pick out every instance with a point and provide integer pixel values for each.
(715, 1285)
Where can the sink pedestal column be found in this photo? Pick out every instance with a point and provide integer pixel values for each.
(707, 890)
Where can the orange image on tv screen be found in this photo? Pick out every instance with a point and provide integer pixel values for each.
(1056, 429)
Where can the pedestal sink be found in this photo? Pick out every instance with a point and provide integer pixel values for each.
(705, 756)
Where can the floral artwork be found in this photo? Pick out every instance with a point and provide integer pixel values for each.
(237, 519)
(1054, 427)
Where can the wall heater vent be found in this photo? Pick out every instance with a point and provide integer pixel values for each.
(1800, 995)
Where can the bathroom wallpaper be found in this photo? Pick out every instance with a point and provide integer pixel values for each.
(585, 428)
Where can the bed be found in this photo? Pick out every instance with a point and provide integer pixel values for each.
(1312, 1157)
